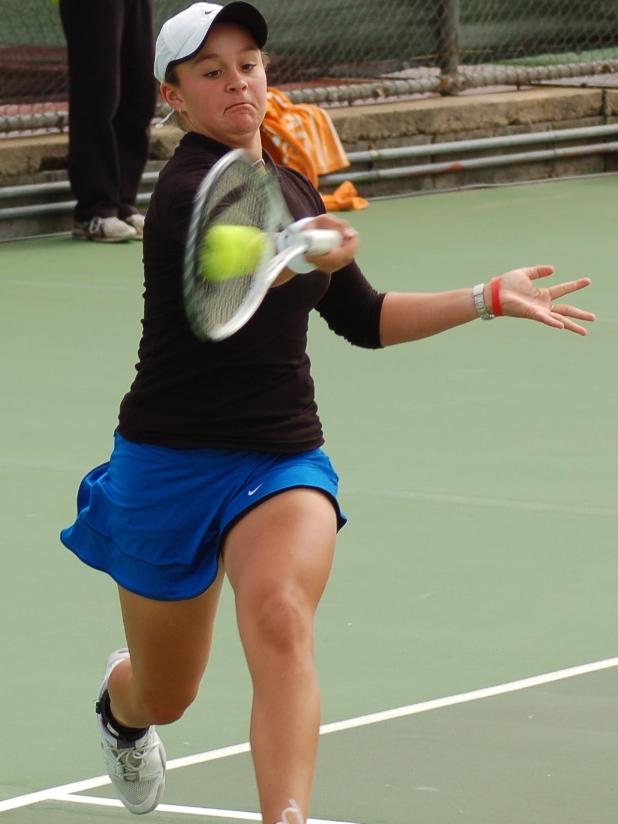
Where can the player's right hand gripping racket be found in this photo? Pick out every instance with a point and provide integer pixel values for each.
(241, 236)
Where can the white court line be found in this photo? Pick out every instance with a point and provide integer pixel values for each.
(466, 697)
(325, 729)
(180, 809)
(469, 500)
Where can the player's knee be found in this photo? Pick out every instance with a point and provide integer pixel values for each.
(283, 624)
(164, 708)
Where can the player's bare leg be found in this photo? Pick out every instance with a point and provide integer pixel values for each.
(151, 683)
(169, 642)
(278, 558)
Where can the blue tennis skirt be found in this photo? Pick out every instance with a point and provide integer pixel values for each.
(155, 517)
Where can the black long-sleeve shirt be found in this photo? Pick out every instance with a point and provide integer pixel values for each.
(253, 391)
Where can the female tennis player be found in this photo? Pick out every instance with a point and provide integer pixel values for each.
(217, 467)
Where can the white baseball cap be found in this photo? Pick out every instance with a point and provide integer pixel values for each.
(182, 36)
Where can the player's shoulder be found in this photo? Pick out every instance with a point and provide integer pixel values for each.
(181, 176)
(293, 177)
(296, 187)
(190, 158)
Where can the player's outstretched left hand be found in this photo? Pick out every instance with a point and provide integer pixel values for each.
(521, 298)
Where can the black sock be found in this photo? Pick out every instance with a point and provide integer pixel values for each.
(115, 727)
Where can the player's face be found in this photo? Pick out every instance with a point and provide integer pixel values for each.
(222, 91)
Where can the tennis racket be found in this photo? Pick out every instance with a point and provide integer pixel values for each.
(240, 238)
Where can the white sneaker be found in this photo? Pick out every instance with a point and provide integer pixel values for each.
(136, 768)
(136, 221)
(105, 230)
(293, 810)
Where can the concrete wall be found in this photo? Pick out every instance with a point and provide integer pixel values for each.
(440, 120)
(421, 121)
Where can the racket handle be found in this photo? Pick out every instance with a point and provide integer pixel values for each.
(309, 241)
(321, 241)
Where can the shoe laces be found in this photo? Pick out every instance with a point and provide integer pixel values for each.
(130, 760)
(294, 810)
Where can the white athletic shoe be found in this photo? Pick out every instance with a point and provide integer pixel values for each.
(136, 768)
(136, 221)
(105, 230)
(293, 810)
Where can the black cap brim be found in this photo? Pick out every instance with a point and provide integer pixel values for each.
(246, 15)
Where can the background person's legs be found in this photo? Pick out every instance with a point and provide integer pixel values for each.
(94, 36)
(137, 101)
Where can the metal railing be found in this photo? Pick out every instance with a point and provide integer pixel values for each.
(457, 149)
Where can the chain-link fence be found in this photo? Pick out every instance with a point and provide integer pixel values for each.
(341, 51)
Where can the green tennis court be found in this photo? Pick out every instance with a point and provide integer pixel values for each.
(467, 641)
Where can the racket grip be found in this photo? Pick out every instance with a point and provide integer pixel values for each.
(311, 241)
(321, 241)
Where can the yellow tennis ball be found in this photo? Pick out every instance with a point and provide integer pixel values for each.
(232, 251)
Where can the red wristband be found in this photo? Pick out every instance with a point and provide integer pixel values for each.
(496, 305)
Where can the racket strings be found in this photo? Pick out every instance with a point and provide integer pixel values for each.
(236, 198)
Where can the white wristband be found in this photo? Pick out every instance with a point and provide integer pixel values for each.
(287, 238)
(478, 293)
